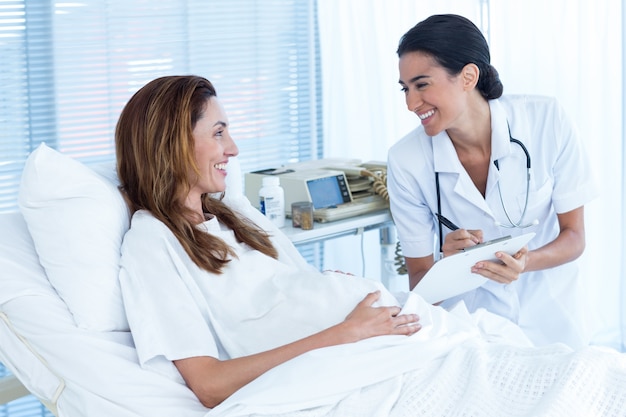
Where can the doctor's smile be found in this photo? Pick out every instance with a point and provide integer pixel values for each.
(424, 116)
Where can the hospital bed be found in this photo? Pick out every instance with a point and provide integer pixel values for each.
(84, 368)
(64, 337)
(63, 332)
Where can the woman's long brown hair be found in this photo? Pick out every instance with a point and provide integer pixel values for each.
(155, 154)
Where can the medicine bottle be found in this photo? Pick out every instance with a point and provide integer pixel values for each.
(272, 200)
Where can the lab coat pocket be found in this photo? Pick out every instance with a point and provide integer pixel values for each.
(539, 202)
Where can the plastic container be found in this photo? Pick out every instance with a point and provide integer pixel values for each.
(272, 200)
(302, 215)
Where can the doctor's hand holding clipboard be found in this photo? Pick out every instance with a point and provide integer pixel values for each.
(469, 265)
(505, 269)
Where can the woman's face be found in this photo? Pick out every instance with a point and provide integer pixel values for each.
(213, 147)
(431, 92)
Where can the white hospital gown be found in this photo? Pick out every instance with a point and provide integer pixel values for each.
(176, 310)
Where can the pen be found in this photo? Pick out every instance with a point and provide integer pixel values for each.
(443, 220)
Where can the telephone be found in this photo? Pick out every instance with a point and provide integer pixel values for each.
(338, 188)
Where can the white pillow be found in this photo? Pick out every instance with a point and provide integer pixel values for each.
(77, 219)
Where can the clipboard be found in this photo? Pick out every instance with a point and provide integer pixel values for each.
(452, 275)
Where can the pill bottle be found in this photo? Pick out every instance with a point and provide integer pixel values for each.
(272, 200)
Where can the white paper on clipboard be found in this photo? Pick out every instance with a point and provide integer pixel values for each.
(452, 275)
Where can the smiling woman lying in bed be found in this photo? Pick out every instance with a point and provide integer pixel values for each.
(189, 259)
(210, 297)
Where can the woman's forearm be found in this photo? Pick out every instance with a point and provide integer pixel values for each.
(568, 245)
(213, 380)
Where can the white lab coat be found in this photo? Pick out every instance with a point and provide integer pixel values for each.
(544, 303)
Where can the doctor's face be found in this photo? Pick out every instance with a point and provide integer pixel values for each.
(213, 145)
(435, 96)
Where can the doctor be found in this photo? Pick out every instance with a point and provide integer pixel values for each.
(482, 166)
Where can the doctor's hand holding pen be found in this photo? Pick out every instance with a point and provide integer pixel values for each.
(505, 271)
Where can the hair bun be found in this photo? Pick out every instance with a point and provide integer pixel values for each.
(489, 83)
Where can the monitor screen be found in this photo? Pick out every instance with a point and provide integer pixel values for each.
(328, 191)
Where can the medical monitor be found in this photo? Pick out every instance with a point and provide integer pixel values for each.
(328, 191)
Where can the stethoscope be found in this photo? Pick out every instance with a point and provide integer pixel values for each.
(443, 221)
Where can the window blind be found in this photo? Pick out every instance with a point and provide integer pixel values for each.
(68, 68)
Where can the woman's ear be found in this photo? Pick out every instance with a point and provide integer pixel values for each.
(470, 74)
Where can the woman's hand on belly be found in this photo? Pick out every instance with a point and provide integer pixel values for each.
(368, 321)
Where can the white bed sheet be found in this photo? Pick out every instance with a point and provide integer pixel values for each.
(474, 379)
(450, 368)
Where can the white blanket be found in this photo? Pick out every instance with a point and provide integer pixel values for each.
(456, 366)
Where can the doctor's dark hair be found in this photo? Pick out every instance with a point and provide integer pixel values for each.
(156, 167)
(453, 41)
